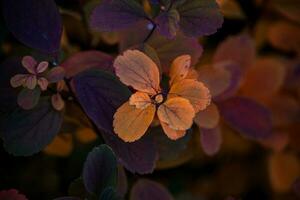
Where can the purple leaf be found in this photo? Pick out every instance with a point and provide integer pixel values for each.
(199, 18)
(122, 185)
(114, 15)
(11, 194)
(36, 23)
(26, 132)
(149, 190)
(168, 23)
(85, 60)
(106, 94)
(100, 170)
(239, 49)
(211, 140)
(247, 117)
(235, 81)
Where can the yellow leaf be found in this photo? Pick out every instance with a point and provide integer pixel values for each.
(177, 113)
(140, 100)
(192, 90)
(136, 69)
(179, 68)
(171, 133)
(284, 168)
(208, 118)
(62, 146)
(131, 123)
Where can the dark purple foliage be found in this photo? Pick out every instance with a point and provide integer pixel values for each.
(36, 23)
(211, 140)
(149, 190)
(247, 117)
(85, 60)
(101, 94)
(198, 18)
(100, 170)
(109, 193)
(67, 198)
(26, 132)
(113, 15)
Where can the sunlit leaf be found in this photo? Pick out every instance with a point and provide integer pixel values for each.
(140, 100)
(131, 123)
(85, 60)
(177, 113)
(194, 91)
(136, 69)
(247, 117)
(35, 23)
(149, 190)
(180, 68)
(28, 131)
(100, 170)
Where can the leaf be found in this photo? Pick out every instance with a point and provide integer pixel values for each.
(180, 68)
(140, 100)
(177, 113)
(231, 9)
(211, 140)
(100, 170)
(122, 185)
(239, 49)
(12, 194)
(37, 24)
(136, 69)
(85, 60)
(208, 118)
(107, 94)
(114, 15)
(77, 188)
(172, 133)
(131, 123)
(148, 190)
(62, 146)
(28, 131)
(109, 193)
(67, 198)
(247, 117)
(199, 18)
(56, 74)
(168, 23)
(172, 153)
(192, 90)
(284, 36)
(257, 86)
(284, 169)
(28, 99)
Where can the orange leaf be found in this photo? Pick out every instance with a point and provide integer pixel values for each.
(208, 118)
(284, 168)
(171, 133)
(62, 146)
(192, 90)
(86, 135)
(180, 68)
(136, 69)
(131, 123)
(264, 79)
(177, 113)
(140, 99)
